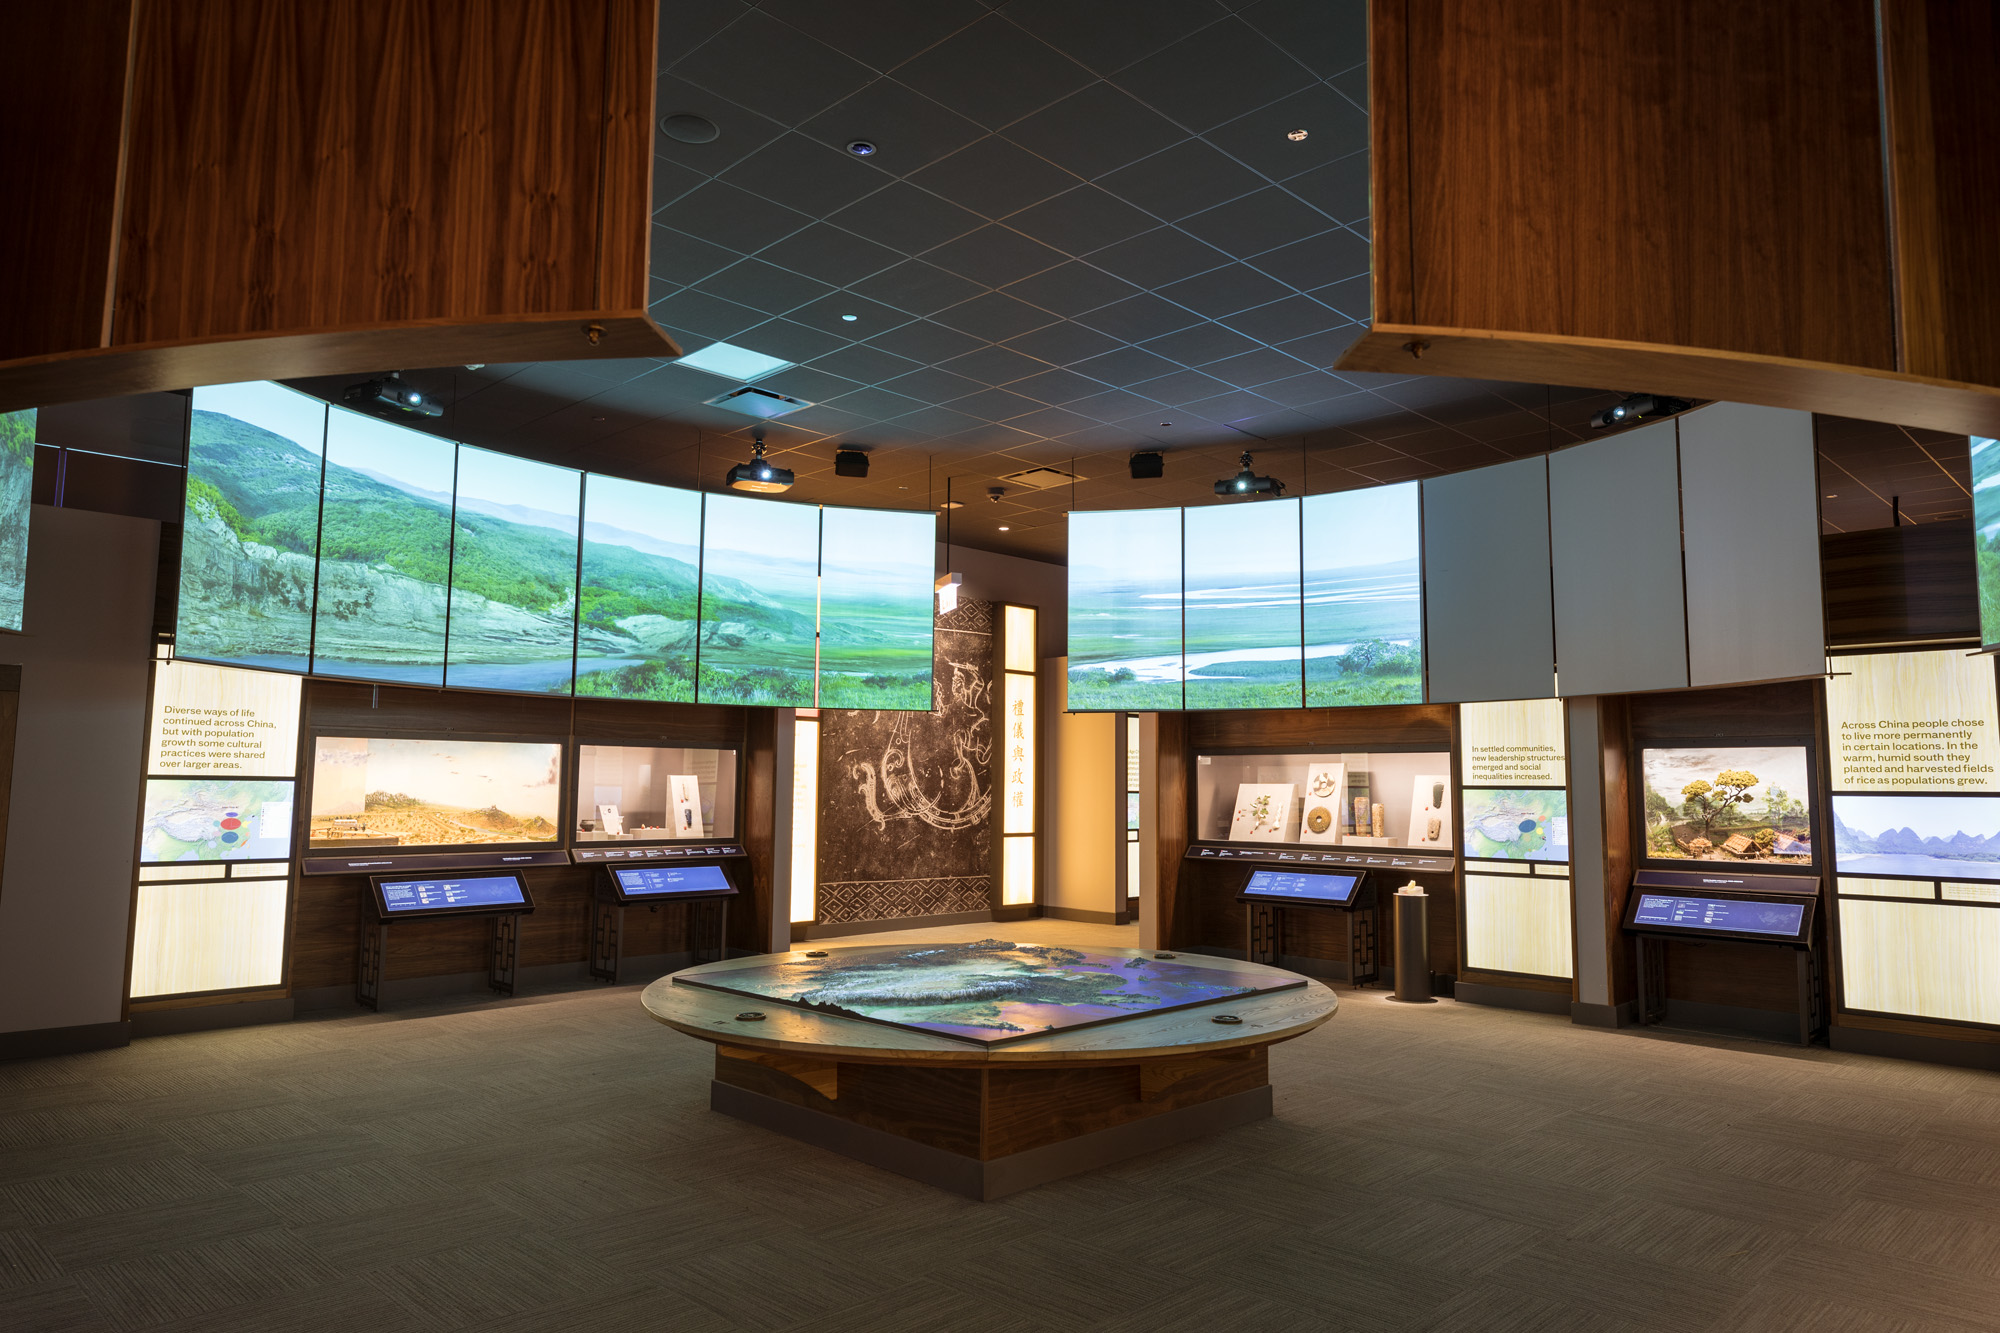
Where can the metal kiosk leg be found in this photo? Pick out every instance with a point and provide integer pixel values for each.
(708, 917)
(371, 962)
(1649, 966)
(506, 952)
(1265, 930)
(607, 939)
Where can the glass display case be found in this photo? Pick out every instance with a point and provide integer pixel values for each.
(1396, 799)
(654, 793)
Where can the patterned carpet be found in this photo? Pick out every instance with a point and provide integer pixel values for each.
(549, 1164)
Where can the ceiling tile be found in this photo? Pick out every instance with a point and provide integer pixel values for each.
(993, 316)
(994, 256)
(1281, 424)
(684, 259)
(1353, 85)
(876, 404)
(815, 386)
(1050, 422)
(917, 287)
(1282, 321)
(1127, 365)
(1216, 75)
(1057, 386)
(1233, 406)
(1061, 344)
(924, 341)
(870, 317)
(829, 254)
(1316, 261)
(1354, 297)
(1339, 189)
(1072, 288)
(993, 72)
(1224, 291)
(1159, 256)
(907, 218)
(931, 385)
(938, 421)
(1334, 128)
(1256, 222)
(763, 286)
(1137, 318)
(1187, 178)
(1300, 390)
(1081, 220)
(993, 365)
(671, 181)
(1327, 36)
(1095, 130)
(772, 68)
(804, 174)
(994, 177)
(794, 342)
(909, 130)
(993, 404)
(710, 316)
(1113, 405)
(863, 364)
(880, 33)
(1323, 349)
(1108, 35)
(821, 419)
(722, 211)
(1181, 387)
(739, 130)
(1205, 343)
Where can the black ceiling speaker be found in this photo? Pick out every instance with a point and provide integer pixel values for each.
(1148, 465)
(850, 463)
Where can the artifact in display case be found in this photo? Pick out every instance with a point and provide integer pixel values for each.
(379, 792)
(1326, 786)
(1263, 812)
(1430, 811)
(1737, 803)
(1370, 799)
(659, 793)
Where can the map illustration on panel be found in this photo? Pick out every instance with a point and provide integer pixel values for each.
(1517, 824)
(216, 819)
(250, 529)
(877, 576)
(1242, 618)
(987, 992)
(640, 597)
(1364, 612)
(1945, 837)
(385, 552)
(1739, 803)
(759, 601)
(17, 490)
(376, 792)
(513, 575)
(1125, 610)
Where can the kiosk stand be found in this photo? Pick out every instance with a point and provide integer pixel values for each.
(1772, 910)
(394, 899)
(1269, 894)
(704, 889)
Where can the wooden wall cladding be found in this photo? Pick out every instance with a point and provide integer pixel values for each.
(1783, 710)
(1900, 585)
(1300, 729)
(345, 185)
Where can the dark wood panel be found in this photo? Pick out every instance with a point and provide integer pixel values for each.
(1898, 585)
(938, 1107)
(750, 916)
(63, 103)
(1322, 728)
(1031, 1108)
(1170, 833)
(1783, 710)
(1620, 846)
(624, 252)
(1743, 976)
(337, 708)
(1691, 173)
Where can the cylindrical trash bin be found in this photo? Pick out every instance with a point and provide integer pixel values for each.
(1413, 945)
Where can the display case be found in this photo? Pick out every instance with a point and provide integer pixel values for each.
(1378, 799)
(654, 793)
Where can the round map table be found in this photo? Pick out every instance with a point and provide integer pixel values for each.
(987, 1122)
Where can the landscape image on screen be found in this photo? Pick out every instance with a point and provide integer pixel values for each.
(373, 792)
(17, 493)
(876, 590)
(640, 598)
(759, 601)
(1945, 837)
(1242, 622)
(1364, 616)
(1516, 824)
(1125, 610)
(987, 992)
(250, 527)
(513, 575)
(385, 552)
(215, 819)
(1740, 803)
(1986, 533)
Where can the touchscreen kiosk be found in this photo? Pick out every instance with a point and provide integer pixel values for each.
(1290, 889)
(634, 884)
(400, 898)
(1668, 914)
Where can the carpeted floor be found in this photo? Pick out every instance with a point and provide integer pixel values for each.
(550, 1164)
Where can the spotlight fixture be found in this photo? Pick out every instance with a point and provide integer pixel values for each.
(1247, 482)
(993, 494)
(758, 476)
(1296, 136)
(1148, 464)
(952, 504)
(390, 397)
(850, 463)
(1639, 407)
(861, 148)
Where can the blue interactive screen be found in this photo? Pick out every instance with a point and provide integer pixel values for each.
(667, 881)
(430, 895)
(1279, 885)
(1670, 911)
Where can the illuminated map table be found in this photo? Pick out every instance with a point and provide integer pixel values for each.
(986, 1121)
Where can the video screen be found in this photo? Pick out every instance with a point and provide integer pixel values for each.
(1738, 803)
(513, 574)
(667, 882)
(759, 601)
(385, 552)
(1243, 636)
(216, 819)
(250, 528)
(17, 496)
(1516, 824)
(1986, 534)
(1283, 886)
(1667, 911)
(1937, 837)
(876, 597)
(1364, 614)
(436, 895)
(372, 792)
(640, 597)
(1125, 610)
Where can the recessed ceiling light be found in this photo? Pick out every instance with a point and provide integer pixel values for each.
(1833, 497)
(1296, 136)
(861, 148)
(952, 504)
(1005, 528)
(850, 318)
(1166, 423)
(597, 418)
(689, 128)
(731, 362)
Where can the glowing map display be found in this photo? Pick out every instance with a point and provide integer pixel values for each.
(988, 992)
(1517, 824)
(216, 819)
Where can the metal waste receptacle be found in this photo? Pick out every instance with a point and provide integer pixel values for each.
(1413, 945)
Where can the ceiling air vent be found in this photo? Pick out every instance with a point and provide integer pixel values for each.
(1041, 478)
(755, 402)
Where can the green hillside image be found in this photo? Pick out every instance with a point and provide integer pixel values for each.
(17, 476)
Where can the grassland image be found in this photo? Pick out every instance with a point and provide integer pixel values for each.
(1363, 594)
(17, 476)
(1125, 610)
(1241, 584)
(375, 792)
(760, 557)
(875, 609)
(1740, 803)
(1986, 532)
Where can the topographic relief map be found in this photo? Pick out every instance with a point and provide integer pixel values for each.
(1517, 825)
(216, 820)
(987, 992)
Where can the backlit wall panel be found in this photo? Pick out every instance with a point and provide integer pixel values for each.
(1518, 923)
(189, 938)
(1927, 960)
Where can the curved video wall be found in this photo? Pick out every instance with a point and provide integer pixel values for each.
(321, 541)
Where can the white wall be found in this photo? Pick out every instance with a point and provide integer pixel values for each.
(1009, 578)
(1082, 810)
(72, 826)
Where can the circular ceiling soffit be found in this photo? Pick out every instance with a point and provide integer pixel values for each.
(689, 128)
